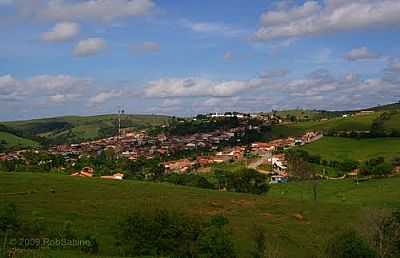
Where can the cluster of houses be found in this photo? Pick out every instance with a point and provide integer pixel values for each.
(89, 172)
(140, 144)
(275, 160)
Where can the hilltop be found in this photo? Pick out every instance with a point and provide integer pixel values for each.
(69, 129)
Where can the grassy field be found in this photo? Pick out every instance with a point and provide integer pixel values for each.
(356, 123)
(95, 206)
(13, 140)
(337, 148)
(77, 128)
(393, 123)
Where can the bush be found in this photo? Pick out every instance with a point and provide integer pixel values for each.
(92, 246)
(8, 219)
(164, 233)
(160, 233)
(349, 245)
(216, 242)
(243, 180)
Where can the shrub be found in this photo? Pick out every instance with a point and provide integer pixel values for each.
(8, 219)
(164, 233)
(160, 233)
(92, 246)
(349, 245)
(245, 180)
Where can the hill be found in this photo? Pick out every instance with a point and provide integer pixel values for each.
(70, 129)
(96, 206)
(9, 140)
(338, 148)
(337, 124)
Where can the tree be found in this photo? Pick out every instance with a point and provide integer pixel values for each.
(300, 169)
(349, 245)
(215, 241)
(243, 180)
(259, 242)
(382, 229)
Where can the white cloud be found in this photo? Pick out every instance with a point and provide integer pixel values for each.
(57, 88)
(195, 87)
(361, 54)
(228, 55)
(104, 96)
(97, 10)
(62, 32)
(90, 46)
(6, 2)
(278, 73)
(213, 28)
(330, 16)
(149, 46)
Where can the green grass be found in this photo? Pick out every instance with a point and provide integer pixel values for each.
(373, 193)
(75, 128)
(13, 140)
(356, 123)
(337, 148)
(95, 206)
(393, 123)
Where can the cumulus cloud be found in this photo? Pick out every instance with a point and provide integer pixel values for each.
(315, 17)
(56, 84)
(97, 10)
(104, 96)
(362, 53)
(62, 31)
(213, 28)
(228, 55)
(278, 73)
(6, 2)
(57, 88)
(89, 47)
(195, 87)
(145, 47)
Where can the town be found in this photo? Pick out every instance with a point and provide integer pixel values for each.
(196, 151)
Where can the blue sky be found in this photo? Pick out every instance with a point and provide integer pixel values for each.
(60, 57)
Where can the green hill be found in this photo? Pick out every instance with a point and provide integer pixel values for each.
(352, 123)
(9, 140)
(70, 129)
(338, 148)
(95, 206)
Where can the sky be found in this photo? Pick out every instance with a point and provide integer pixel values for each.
(85, 57)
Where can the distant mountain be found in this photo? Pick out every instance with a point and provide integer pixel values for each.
(69, 129)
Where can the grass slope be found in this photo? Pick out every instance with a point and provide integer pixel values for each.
(337, 148)
(356, 123)
(80, 127)
(14, 141)
(95, 205)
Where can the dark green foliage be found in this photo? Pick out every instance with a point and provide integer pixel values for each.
(92, 246)
(193, 180)
(349, 245)
(259, 242)
(164, 233)
(216, 242)
(376, 167)
(8, 218)
(183, 127)
(242, 180)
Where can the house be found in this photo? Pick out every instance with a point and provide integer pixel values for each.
(279, 179)
(183, 165)
(85, 172)
(116, 176)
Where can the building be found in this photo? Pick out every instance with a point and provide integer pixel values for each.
(116, 176)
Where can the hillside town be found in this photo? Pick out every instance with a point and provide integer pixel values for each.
(133, 145)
